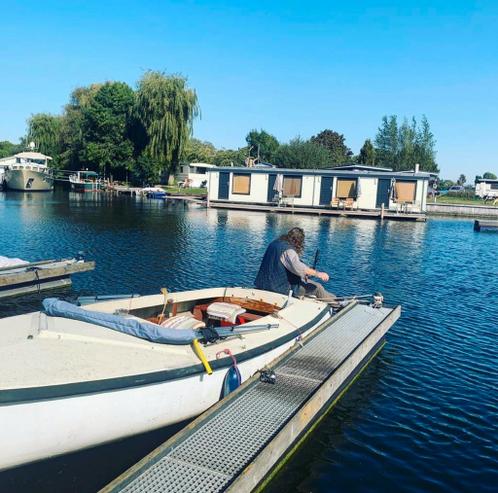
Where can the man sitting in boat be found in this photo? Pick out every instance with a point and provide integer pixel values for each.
(282, 270)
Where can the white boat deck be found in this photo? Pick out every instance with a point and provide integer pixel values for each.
(38, 350)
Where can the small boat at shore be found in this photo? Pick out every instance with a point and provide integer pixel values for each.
(153, 192)
(86, 181)
(76, 377)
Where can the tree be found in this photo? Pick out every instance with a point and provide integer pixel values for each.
(407, 154)
(262, 144)
(446, 184)
(45, 131)
(489, 176)
(387, 143)
(302, 154)
(400, 148)
(461, 180)
(72, 126)
(197, 151)
(9, 149)
(106, 143)
(230, 157)
(146, 171)
(425, 147)
(166, 107)
(367, 154)
(334, 142)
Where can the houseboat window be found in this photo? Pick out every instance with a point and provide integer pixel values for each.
(241, 184)
(199, 171)
(292, 186)
(405, 191)
(346, 189)
(494, 186)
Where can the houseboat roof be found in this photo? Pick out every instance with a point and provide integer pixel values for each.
(486, 180)
(32, 155)
(350, 173)
(360, 167)
(203, 165)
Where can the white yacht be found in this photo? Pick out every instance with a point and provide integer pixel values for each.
(29, 171)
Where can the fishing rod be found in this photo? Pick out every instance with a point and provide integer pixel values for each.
(317, 257)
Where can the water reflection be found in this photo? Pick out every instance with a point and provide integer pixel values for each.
(425, 412)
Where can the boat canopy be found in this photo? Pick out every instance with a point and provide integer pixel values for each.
(131, 326)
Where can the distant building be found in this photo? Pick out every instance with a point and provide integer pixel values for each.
(193, 174)
(354, 187)
(486, 188)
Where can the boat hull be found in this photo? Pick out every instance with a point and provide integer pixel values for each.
(82, 187)
(49, 427)
(27, 180)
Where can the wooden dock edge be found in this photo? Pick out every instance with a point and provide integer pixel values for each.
(253, 476)
(319, 211)
(38, 279)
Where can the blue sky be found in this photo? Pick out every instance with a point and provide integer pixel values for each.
(290, 67)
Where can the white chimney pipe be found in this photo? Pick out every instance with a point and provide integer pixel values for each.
(417, 168)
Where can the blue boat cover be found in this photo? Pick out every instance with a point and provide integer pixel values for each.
(145, 330)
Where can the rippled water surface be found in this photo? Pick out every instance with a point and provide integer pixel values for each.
(422, 417)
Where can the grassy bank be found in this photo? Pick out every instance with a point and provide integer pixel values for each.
(186, 191)
(455, 200)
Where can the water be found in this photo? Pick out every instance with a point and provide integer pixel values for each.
(424, 414)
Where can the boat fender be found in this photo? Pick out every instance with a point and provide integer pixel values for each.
(267, 376)
(232, 378)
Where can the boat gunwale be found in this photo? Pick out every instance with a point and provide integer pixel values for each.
(21, 395)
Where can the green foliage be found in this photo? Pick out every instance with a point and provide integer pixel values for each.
(387, 143)
(197, 151)
(146, 171)
(264, 143)
(461, 180)
(106, 144)
(302, 154)
(489, 176)
(446, 184)
(166, 107)
(334, 142)
(9, 149)
(400, 148)
(72, 126)
(45, 131)
(230, 157)
(367, 154)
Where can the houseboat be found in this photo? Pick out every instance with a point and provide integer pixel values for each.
(28, 171)
(351, 189)
(193, 174)
(486, 188)
(85, 181)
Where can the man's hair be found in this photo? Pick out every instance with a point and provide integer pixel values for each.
(295, 237)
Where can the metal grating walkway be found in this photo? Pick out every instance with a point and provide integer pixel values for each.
(218, 449)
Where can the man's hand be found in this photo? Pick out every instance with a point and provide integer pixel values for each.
(323, 276)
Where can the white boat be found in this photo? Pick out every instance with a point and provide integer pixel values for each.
(29, 171)
(86, 181)
(68, 384)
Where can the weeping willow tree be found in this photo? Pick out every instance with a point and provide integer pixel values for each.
(166, 107)
(44, 130)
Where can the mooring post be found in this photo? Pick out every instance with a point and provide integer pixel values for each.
(382, 211)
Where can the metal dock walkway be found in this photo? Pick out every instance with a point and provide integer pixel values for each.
(235, 444)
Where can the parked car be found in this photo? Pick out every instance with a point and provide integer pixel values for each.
(456, 189)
